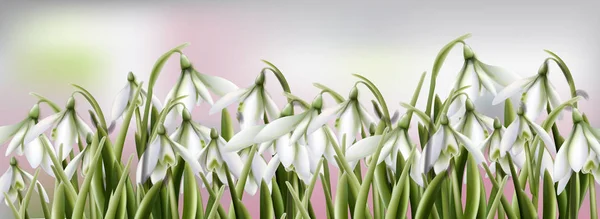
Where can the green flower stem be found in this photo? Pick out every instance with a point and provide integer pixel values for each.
(309, 190)
(334, 94)
(329, 207)
(415, 97)
(58, 204)
(378, 96)
(496, 202)
(294, 98)
(90, 98)
(153, 77)
(25, 202)
(43, 99)
(238, 206)
(81, 198)
(574, 196)
(212, 213)
(363, 193)
(297, 201)
(505, 204)
(120, 141)
(213, 194)
(426, 205)
(147, 203)
(115, 200)
(437, 65)
(70, 193)
(397, 192)
(566, 73)
(526, 208)
(593, 205)
(284, 84)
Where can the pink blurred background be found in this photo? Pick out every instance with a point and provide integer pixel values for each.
(46, 47)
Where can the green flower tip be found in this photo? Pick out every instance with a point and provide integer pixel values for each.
(287, 110)
(353, 93)
(468, 52)
(260, 80)
(577, 117)
(88, 138)
(318, 102)
(469, 105)
(131, 77)
(543, 70)
(184, 62)
(444, 120)
(213, 133)
(34, 113)
(71, 103)
(186, 116)
(497, 123)
(161, 130)
(372, 128)
(13, 161)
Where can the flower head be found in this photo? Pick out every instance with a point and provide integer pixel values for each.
(126, 96)
(496, 154)
(473, 124)
(69, 127)
(16, 180)
(214, 158)
(193, 136)
(519, 131)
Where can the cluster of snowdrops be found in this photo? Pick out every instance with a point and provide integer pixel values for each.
(281, 152)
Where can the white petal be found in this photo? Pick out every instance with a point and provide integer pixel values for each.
(512, 89)
(471, 79)
(159, 172)
(301, 164)
(592, 141)
(65, 136)
(317, 142)
(151, 157)
(217, 85)
(416, 170)
(227, 100)
(82, 128)
(41, 127)
(349, 125)
(271, 168)
(34, 152)
(561, 163)
(243, 139)
(578, 150)
(363, 148)
(259, 166)
(17, 140)
(485, 80)
(253, 109)
(436, 145)
(535, 100)
(73, 164)
(285, 150)
(9, 130)
(279, 127)
(562, 183)
(325, 116)
(552, 95)
(302, 126)
(270, 106)
(187, 156)
(472, 148)
(441, 163)
(510, 136)
(234, 162)
(547, 164)
(251, 187)
(500, 75)
(5, 182)
(191, 141)
(365, 117)
(202, 90)
(544, 136)
(120, 102)
(187, 89)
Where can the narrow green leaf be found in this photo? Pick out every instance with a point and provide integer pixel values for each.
(341, 198)
(398, 189)
(212, 213)
(190, 199)
(297, 201)
(496, 202)
(25, 202)
(90, 98)
(525, 206)
(147, 203)
(266, 204)
(428, 199)
(120, 141)
(43, 203)
(58, 204)
(115, 200)
(12, 207)
(83, 192)
(473, 189)
(549, 196)
(329, 207)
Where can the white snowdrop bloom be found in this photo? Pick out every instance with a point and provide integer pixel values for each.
(213, 158)
(495, 154)
(69, 127)
(193, 136)
(473, 124)
(520, 131)
(537, 92)
(350, 117)
(480, 78)
(34, 151)
(16, 180)
(160, 155)
(126, 95)
(395, 141)
(295, 157)
(257, 171)
(444, 145)
(579, 149)
(254, 101)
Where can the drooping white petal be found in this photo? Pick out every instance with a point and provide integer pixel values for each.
(472, 148)
(363, 148)
(512, 89)
(578, 150)
(5, 182)
(187, 156)
(325, 116)
(271, 168)
(82, 128)
(187, 89)
(471, 79)
(120, 102)
(592, 141)
(74, 163)
(317, 142)
(190, 139)
(349, 125)
(544, 136)
(41, 127)
(365, 117)
(286, 151)
(270, 107)
(34, 152)
(561, 163)
(536, 99)
(302, 164)
(510, 136)
(436, 146)
(441, 163)
(259, 166)
(553, 96)
(243, 139)
(416, 170)
(65, 136)
(9, 130)
(251, 187)
(279, 127)
(302, 126)
(217, 85)
(150, 158)
(16, 141)
(201, 90)
(486, 81)
(234, 162)
(227, 100)
(159, 172)
(253, 109)
(499, 75)
(562, 183)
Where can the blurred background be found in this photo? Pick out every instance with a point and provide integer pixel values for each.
(46, 47)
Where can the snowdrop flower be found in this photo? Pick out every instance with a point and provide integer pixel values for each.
(495, 153)
(16, 180)
(480, 77)
(69, 127)
(444, 145)
(473, 124)
(191, 135)
(519, 132)
(160, 155)
(254, 101)
(575, 153)
(214, 157)
(125, 96)
(537, 90)
(34, 151)
(351, 116)
(395, 141)
(257, 171)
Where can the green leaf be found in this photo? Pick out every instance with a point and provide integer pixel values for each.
(527, 210)
(549, 196)
(341, 198)
(238, 206)
(336, 96)
(12, 207)
(329, 207)
(428, 199)
(90, 98)
(473, 189)
(43, 203)
(115, 200)
(212, 213)
(497, 198)
(190, 199)
(120, 141)
(83, 192)
(395, 200)
(25, 202)
(297, 201)
(147, 203)
(58, 204)
(43, 99)
(266, 204)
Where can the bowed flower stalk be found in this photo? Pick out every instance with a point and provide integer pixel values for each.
(519, 131)
(69, 127)
(350, 116)
(254, 101)
(578, 151)
(214, 157)
(537, 92)
(14, 181)
(160, 156)
(480, 78)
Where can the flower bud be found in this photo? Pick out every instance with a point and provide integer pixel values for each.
(13, 161)
(372, 129)
(34, 113)
(71, 103)
(497, 124)
(213, 133)
(444, 120)
(469, 105)
(185, 115)
(161, 130)
(353, 93)
(543, 70)
(318, 102)
(260, 80)
(88, 138)
(131, 77)
(184, 62)
(577, 116)
(468, 52)
(287, 110)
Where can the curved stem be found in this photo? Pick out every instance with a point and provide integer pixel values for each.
(566, 73)
(88, 96)
(437, 65)
(282, 81)
(335, 95)
(43, 99)
(380, 99)
(297, 99)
